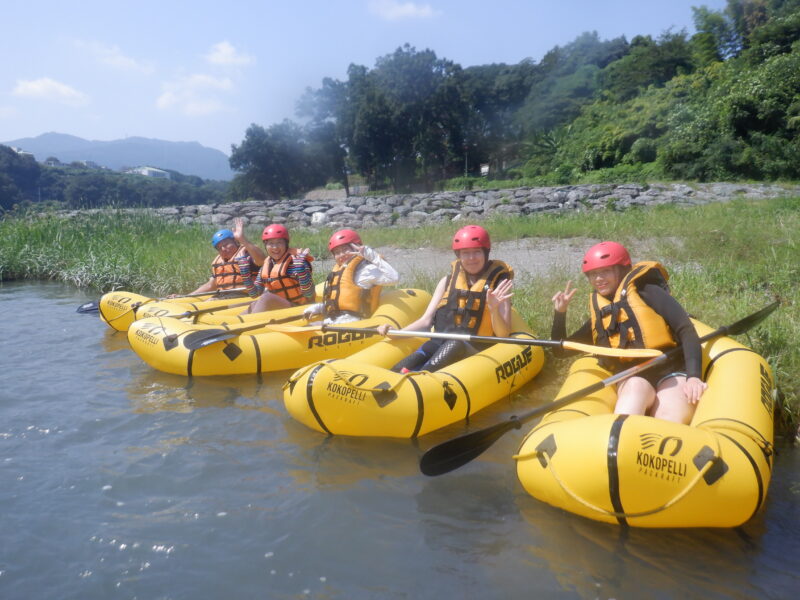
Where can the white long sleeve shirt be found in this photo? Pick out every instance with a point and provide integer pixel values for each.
(371, 272)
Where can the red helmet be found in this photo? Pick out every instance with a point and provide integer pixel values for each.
(605, 254)
(472, 236)
(343, 236)
(275, 232)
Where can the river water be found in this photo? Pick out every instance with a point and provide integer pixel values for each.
(122, 482)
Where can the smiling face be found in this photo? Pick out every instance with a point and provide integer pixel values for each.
(276, 248)
(605, 280)
(342, 254)
(472, 259)
(227, 248)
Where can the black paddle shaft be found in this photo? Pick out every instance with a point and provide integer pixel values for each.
(457, 452)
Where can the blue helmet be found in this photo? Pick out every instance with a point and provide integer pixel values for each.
(222, 234)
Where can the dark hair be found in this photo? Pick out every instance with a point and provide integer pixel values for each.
(485, 253)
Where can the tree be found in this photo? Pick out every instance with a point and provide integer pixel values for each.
(274, 162)
(494, 93)
(20, 177)
(732, 27)
(649, 62)
(399, 122)
(566, 80)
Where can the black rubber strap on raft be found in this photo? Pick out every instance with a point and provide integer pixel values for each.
(258, 352)
(310, 397)
(396, 324)
(756, 472)
(613, 467)
(714, 360)
(420, 407)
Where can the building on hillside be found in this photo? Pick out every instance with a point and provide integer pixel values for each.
(150, 172)
(21, 152)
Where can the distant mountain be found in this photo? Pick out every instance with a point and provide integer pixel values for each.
(189, 158)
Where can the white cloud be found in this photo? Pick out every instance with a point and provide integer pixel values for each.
(194, 95)
(113, 57)
(45, 88)
(225, 54)
(391, 10)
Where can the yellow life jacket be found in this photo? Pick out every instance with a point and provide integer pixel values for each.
(463, 307)
(628, 321)
(275, 276)
(343, 295)
(226, 273)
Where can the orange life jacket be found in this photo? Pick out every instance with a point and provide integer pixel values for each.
(342, 294)
(276, 280)
(463, 307)
(627, 321)
(226, 273)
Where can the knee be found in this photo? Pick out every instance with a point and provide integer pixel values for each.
(675, 408)
(635, 397)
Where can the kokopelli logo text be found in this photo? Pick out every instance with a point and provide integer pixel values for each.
(348, 390)
(655, 459)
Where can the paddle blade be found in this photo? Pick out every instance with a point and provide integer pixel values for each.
(452, 454)
(201, 339)
(88, 307)
(615, 352)
(751, 321)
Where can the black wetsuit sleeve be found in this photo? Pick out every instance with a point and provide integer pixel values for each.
(559, 332)
(677, 319)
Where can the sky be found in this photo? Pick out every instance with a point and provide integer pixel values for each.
(204, 71)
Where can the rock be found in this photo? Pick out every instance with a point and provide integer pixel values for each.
(533, 207)
(220, 219)
(340, 210)
(446, 212)
(409, 210)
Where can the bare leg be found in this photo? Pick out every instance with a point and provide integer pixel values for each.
(267, 301)
(634, 397)
(671, 403)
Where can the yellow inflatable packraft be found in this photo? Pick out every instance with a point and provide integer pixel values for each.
(647, 472)
(277, 341)
(360, 396)
(119, 309)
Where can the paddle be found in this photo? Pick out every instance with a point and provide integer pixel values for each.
(567, 345)
(454, 453)
(203, 311)
(199, 339)
(94, 305)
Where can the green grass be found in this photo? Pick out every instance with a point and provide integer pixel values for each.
(726, 259)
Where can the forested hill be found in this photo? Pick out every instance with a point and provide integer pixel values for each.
(25, 182)
(721, 104)
(67, 171)
(189, 158)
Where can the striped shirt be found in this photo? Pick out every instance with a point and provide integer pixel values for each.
(299, 269)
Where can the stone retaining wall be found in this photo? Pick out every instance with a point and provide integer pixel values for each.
(409, 210)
